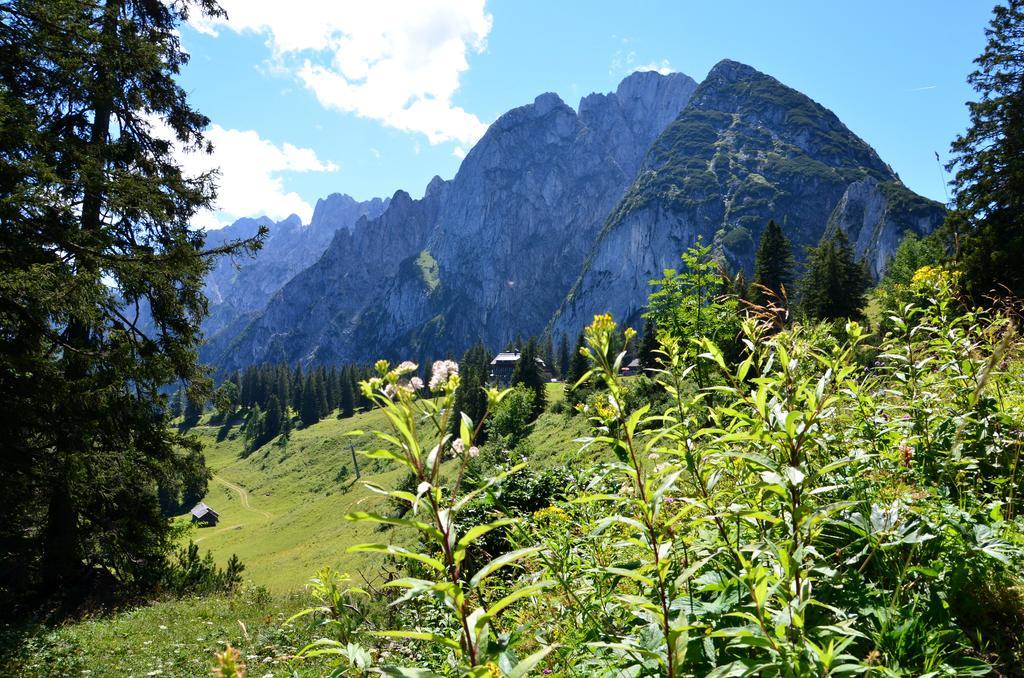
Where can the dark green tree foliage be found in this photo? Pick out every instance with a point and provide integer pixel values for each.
(298, 379)
(649, 346)
(547, 352)
(193, 411)
(471, 397)
(563, 357)
(834, 284)
(347, 396)
(273, 421)
(226, 399)
(94, 229)
(176, 407)
(309, 408)
(989, 161)
(530, 373)
(578, 365)
(773, 263)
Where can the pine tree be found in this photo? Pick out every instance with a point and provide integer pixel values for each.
(563, 357)
(530, 374)
(347, 396)
(283, 390)
(773, 263)
(547, 353)
(193, 412)
(471, 397)
(989, 161)
(578, 363)
(273, 421)
(834, 284)
(298, 381)
(309, 408)
(176, 407)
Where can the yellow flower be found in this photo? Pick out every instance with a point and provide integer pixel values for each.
(493, 671)
(551, 513)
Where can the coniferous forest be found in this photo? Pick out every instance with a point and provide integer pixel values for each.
(797, 455)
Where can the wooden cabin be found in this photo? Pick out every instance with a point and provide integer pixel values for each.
(204, 515)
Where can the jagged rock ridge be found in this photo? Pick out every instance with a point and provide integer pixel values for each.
(238, 289)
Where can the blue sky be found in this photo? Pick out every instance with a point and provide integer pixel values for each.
(309, 98)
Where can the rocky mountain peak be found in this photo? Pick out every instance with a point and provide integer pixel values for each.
(728, 70)
(436, 184)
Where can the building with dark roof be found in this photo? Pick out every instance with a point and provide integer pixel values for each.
(204, 515)
(504, 364)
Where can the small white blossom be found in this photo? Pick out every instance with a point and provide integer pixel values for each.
(457, 448)
(474, 452)
(389, 391)
(406, 367)
(416, 383)
(441, 372)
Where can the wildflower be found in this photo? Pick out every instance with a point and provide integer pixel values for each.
(474, 452)
(493, 671)
(416, 383)
(458, 447)
(906, 454)
(389, 391)
(229, 663)
(406, 367)
(874, 658)
(551, 513)
(442, 371)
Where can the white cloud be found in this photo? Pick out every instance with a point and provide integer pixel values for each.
(662, 67)
(395, 61)
(459, 152)
(624, 63)
(250, 182)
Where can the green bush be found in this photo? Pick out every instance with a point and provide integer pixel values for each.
(804, 513)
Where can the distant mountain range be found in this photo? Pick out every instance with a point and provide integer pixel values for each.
(557, 214)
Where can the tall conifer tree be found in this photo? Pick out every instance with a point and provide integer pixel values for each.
(773, 263)
(94, 226)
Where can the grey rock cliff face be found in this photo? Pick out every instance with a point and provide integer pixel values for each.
(238, 289)
(488, 255)
(745, 150)
(521, 214)
(309, 318)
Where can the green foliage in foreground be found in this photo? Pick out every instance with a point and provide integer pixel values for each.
(803, 514)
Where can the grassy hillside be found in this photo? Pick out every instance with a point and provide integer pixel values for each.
(282, 508)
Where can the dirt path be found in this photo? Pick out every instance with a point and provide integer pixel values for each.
(210, 533)
(243, 495)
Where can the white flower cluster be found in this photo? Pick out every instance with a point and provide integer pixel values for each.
(442, 371)
(458, 447)
(405, 368)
